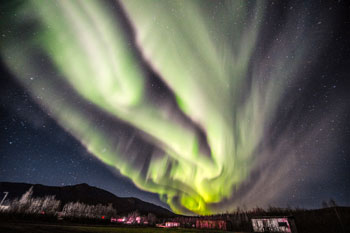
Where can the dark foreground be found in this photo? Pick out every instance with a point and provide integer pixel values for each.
(52, 228)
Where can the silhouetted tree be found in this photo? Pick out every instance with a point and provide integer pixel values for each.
(324, 204)
(332, 203)
(152, 219)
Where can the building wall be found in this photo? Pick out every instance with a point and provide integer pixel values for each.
(172, 224)
(271, 225)
(211, 224)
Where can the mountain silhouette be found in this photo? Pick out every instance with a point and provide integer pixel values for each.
(84, 193)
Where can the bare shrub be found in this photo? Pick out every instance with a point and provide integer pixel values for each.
(29, 205)
(81, 210)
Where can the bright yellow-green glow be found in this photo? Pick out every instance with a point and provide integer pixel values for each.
(201, 56)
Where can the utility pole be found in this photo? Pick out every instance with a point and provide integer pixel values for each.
(6, 193)
(339, 219)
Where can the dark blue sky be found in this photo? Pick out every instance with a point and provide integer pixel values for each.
(34, 149)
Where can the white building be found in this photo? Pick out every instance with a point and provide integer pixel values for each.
(274, 224)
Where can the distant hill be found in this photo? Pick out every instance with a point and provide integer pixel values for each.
(86, 194)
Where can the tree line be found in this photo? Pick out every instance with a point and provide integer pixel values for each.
(48, 205)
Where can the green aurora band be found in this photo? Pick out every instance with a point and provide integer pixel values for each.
(202, 56)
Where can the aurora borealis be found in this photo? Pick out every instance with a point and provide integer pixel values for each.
(182, 97)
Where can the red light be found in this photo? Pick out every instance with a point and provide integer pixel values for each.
(103, 217)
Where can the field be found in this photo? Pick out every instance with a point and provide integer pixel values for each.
(44, 228)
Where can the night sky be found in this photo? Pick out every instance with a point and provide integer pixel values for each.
(197, 106)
